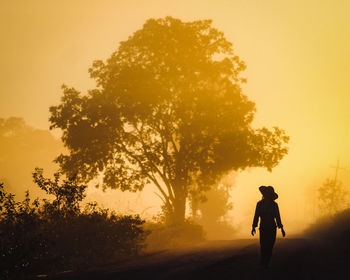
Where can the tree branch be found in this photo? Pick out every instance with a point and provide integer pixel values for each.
(151, 177)
(154, 166)
(166, 165)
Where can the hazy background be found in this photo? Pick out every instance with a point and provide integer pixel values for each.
(298, 69)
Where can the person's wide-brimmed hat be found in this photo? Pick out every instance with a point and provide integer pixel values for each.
(268, 192)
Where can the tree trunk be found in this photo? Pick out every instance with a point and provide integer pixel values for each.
(179, 209)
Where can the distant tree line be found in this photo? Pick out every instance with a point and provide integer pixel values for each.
(22, 148)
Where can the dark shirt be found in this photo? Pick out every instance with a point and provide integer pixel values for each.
(269, 215)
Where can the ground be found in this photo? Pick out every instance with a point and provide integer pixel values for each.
(293, 258)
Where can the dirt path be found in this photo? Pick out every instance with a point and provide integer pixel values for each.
(238, 259)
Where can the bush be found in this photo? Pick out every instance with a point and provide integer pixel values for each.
(334, 229)
(42, 237)
(221, 230)
(163, 236)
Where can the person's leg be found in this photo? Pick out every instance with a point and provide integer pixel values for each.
(262, 246)
(270, 242)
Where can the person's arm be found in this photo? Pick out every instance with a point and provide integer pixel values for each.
(256, 219)
(278, 220)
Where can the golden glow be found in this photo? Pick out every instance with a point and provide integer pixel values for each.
(298, 69)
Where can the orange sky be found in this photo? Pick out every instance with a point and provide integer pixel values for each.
(297, 53)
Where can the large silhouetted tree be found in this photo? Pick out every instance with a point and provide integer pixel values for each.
(168, 109)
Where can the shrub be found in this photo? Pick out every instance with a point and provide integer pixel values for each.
(163, 236)
(334, 229)
(48, 236)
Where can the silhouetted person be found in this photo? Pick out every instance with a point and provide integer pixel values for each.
(267, 210)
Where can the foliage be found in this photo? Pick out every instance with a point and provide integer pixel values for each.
(213, 213)
(333, 229)
(68, 194)
(42, 237)
(166, 236)
(216, 204)
(210, 209)
(332, 197)
(169, 110)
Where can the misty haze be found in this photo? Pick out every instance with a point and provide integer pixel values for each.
(169, 140)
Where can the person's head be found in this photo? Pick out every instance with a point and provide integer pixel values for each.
(268, 192)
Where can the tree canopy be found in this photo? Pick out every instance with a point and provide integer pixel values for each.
(167, 109)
